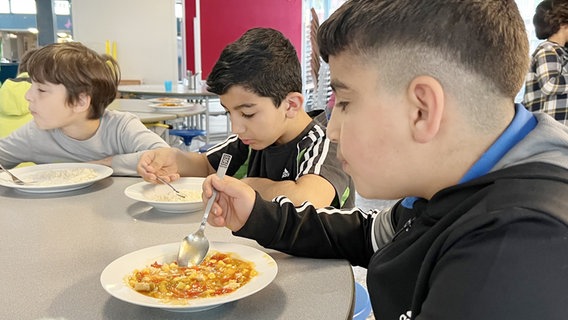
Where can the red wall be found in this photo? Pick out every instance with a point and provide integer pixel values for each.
(223, 21)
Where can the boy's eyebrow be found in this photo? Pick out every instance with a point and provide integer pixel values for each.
(337, 85)
(241, 106)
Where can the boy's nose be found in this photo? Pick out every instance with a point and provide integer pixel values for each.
(333, 127)
(27, 95)
(236, 126)
(235, 129)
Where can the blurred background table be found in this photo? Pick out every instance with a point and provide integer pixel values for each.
(199, 96)
(55, 246)
(190, 117)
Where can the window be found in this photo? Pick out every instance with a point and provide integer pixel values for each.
(4, 6)
(23, 6)
(324, 9)
(61, 8)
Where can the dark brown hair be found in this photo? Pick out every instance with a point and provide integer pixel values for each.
(549, 16)
(486, 38)
(262, 61)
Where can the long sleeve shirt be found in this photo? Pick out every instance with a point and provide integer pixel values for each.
(546, 85)
(120, 135)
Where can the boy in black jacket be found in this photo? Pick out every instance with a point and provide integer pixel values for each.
(425, 112)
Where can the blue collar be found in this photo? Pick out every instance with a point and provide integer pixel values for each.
(523, 123)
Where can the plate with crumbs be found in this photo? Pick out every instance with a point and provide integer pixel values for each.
(56, 177)
(163, 198)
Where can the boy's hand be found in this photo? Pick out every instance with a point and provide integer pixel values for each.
(234, 202)
(158, 162)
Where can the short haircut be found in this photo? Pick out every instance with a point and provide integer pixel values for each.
(477, 50)
(549, 16)
(81, 70)
(23, 66)
(262, 61)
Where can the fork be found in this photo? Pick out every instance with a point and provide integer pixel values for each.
(174, 189)
(14, 178)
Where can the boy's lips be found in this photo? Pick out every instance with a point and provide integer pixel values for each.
(247, 141)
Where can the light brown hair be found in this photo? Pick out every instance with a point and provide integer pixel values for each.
(23, 66)
(81, 70)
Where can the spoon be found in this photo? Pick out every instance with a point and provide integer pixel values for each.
(195, 246)
(14, 178)
(175, 190)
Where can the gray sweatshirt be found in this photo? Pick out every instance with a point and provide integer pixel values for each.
(120, 135)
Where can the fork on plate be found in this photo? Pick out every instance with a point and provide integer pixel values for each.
(173, 188)
(14, 178)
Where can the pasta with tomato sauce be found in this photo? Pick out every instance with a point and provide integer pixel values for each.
(218, 274)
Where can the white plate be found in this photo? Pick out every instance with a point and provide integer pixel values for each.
(177, 108)
(27, 174)
(113, 276)
(145, 192)
(167, 99)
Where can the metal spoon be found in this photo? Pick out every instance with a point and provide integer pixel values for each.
(14, 178)
(195, 246)
(167, 183)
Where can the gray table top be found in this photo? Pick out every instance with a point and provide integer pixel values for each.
(54, 247)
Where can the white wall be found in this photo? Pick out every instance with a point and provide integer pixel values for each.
(144, 31)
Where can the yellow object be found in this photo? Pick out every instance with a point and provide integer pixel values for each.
(14, 110)
(107, 47)
(114, 50)
(156, 124)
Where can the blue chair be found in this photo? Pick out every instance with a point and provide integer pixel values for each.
(362, 303)
(187, 135)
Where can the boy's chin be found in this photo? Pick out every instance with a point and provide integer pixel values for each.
(43, 126)
(256, 145)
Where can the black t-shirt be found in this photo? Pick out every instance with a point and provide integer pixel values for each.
(309, 153)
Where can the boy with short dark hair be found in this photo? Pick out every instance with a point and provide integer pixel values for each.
(276, 146)
(72, 86)
(425, 111)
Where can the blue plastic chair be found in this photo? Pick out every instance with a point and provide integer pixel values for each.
(362, 303)
(187, 135)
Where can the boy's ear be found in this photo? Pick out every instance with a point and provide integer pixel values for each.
(293, 103)
(426, 97)
(83, 103)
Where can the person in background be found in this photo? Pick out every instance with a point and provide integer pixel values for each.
(481, 231)
(546, 84)
(72, 86)
(276, 147)
(14, 110)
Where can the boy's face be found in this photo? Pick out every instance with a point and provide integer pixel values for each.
(371, 127)
(255, 119)
(48, 105)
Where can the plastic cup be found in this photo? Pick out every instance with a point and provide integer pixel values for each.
(168, 85)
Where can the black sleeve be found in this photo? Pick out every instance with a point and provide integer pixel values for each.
(516, 271)
(305, 231)
(233, 146)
